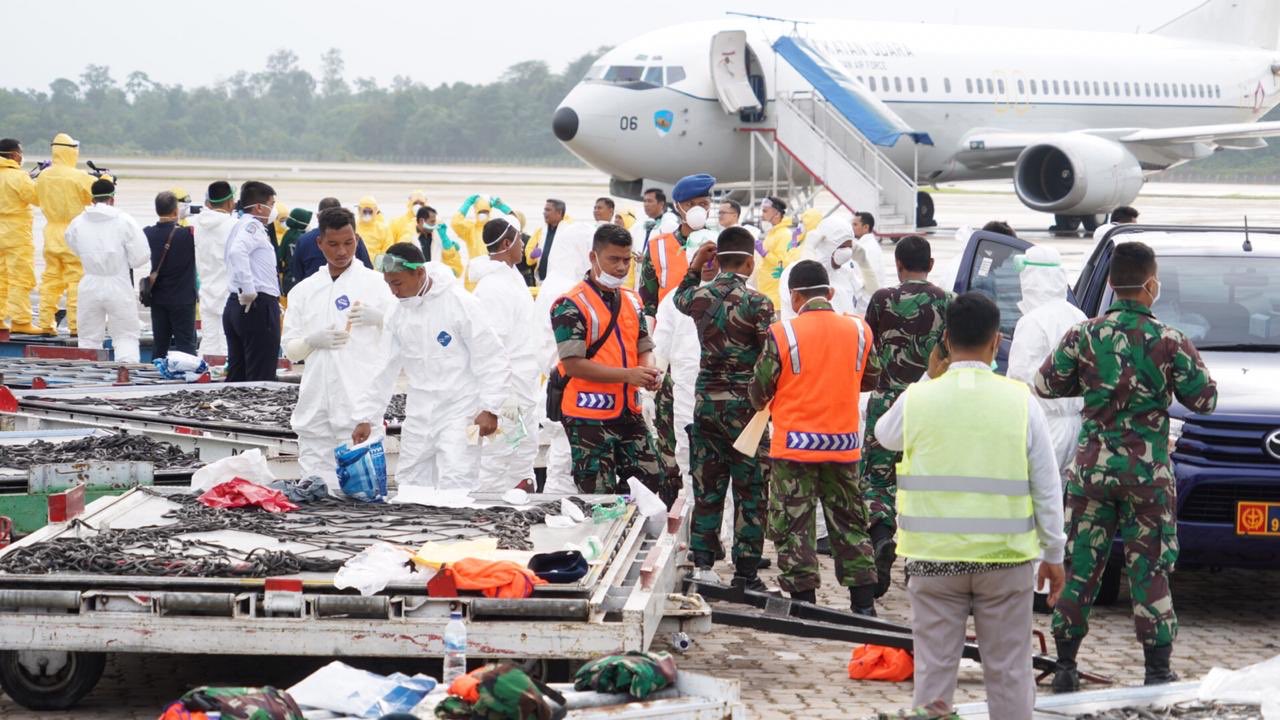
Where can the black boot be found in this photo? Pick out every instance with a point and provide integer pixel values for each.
(1067, 677)
(862, 600)
(886, 551)
(746, 574)
(809, 596)
(1156, 661)
(823, 546)
(765, 563)
(703, 560)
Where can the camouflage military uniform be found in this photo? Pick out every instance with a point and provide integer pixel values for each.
(1128, 367)
(733, 324)
(605, 451)
(647, 287)
(907, 322)
(797, 487)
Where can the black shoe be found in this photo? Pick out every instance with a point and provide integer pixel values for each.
(752, 583)
(1156, 661)
(703, 560)
(862, 600)
(1066, 678)
(765, 563)
(809, 596)
(824, 546)
(868, 611)
(886, 551)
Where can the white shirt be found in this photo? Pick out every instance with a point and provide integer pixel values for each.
(1046, 485)
(251, 260)
(875, 256)
(108, 242)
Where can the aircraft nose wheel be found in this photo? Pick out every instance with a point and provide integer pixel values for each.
(48, 679)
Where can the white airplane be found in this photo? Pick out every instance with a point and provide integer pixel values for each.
(1077, 119)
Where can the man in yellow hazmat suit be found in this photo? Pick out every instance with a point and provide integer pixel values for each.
(17, 247)
(372, 227)
(407, 224)
(62, 192)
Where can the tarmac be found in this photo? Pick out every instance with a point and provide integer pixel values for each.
(1228, 618)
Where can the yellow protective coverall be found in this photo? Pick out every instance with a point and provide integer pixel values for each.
(408, 222)
(376, 233)
(776, 244)
(470, 230)
(17, 246)
(62, 192)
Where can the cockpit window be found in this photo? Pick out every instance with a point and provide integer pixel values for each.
(624, 74)
(675, 74)
(595, 73)
(653, 76)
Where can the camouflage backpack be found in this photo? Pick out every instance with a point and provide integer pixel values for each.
(234, 703)
(637, 674)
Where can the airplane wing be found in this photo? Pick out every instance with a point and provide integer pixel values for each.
(993, 147)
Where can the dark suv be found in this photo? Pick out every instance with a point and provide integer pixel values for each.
(1220, 286)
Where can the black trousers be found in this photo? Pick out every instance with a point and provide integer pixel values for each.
(173, 327)
(253, 338)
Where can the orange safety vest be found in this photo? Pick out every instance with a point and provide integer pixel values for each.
(815, 407)
(669, 263)
(604, 401)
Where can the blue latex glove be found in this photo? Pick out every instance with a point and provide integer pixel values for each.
(466, 206)
(446, 242)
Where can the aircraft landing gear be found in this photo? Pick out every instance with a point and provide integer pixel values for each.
(1068, 225)
(924, 210)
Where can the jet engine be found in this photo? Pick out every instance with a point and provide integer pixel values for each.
(1077, 174)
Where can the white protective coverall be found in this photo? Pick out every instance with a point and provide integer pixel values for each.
(870, 245)
(1046, 317)
(853, 282)
(570, 261)
(675, 341)
(334, 379)
(456, 367)
(109, 243)
(212, 227)
(509, 310)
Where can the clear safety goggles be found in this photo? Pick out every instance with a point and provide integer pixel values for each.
(386, 263)
(1020, 263)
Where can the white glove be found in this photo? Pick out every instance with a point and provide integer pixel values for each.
(367, 315)
(246, 299)
(870, 281)
(328, 339)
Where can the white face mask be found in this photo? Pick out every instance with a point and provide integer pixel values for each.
(766, 225)
(273, 215)
(842, 256)
(417, 207)
(416, 300)
(696, 217)
(609, 281)
(1155, 296)
(366, 215)
(184, 210)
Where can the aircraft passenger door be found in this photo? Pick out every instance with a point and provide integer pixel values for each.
(729, 72)
(987, 266)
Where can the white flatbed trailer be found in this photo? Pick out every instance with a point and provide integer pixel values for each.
(56, 627)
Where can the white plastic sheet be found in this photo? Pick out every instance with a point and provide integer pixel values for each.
(1257, 684)
(377, 566)
(250, 465)
(650, 506)
(340, 688)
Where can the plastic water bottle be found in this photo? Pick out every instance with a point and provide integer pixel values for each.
(455, 648)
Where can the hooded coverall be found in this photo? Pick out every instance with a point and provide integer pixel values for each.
(17, 247)
(376, 233)
(63, 193)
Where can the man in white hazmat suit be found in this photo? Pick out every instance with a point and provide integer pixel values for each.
(108, 243)
(1046, 317)
(212, 228)
(570, 259)
(456, 367)
(675, 344)
(506, 306)
(334, 324)
(852, 276)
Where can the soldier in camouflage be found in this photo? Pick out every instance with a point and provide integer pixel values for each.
(605, 451)
(733, 324)
(799, 483)
(907, 321)
(1128, 367)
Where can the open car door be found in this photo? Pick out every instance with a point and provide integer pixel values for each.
(729, 72)
(987, 266)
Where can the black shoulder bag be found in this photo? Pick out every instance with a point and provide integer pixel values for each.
(148, 283)
(557, 382)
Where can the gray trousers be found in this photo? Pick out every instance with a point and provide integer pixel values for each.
(1000, 602)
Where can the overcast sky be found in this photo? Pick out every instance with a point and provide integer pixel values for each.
(433, 42)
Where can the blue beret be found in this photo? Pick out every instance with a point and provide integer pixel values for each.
(692, 186)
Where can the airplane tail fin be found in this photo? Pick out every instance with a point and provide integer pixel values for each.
(1253, 23)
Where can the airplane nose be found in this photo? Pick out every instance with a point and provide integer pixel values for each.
(565, 124)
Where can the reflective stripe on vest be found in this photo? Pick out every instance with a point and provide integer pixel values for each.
(815, 407)
(587, 400)
(662, 264)
(964, 491)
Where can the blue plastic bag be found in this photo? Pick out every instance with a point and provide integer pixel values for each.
(362, 471)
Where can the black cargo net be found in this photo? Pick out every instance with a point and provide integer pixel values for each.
(119, 447)
(332, 531)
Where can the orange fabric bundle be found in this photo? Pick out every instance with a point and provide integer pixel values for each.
(467, 686)
(877, 662)
(495, 578)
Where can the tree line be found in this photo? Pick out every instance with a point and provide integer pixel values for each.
(283, 110)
